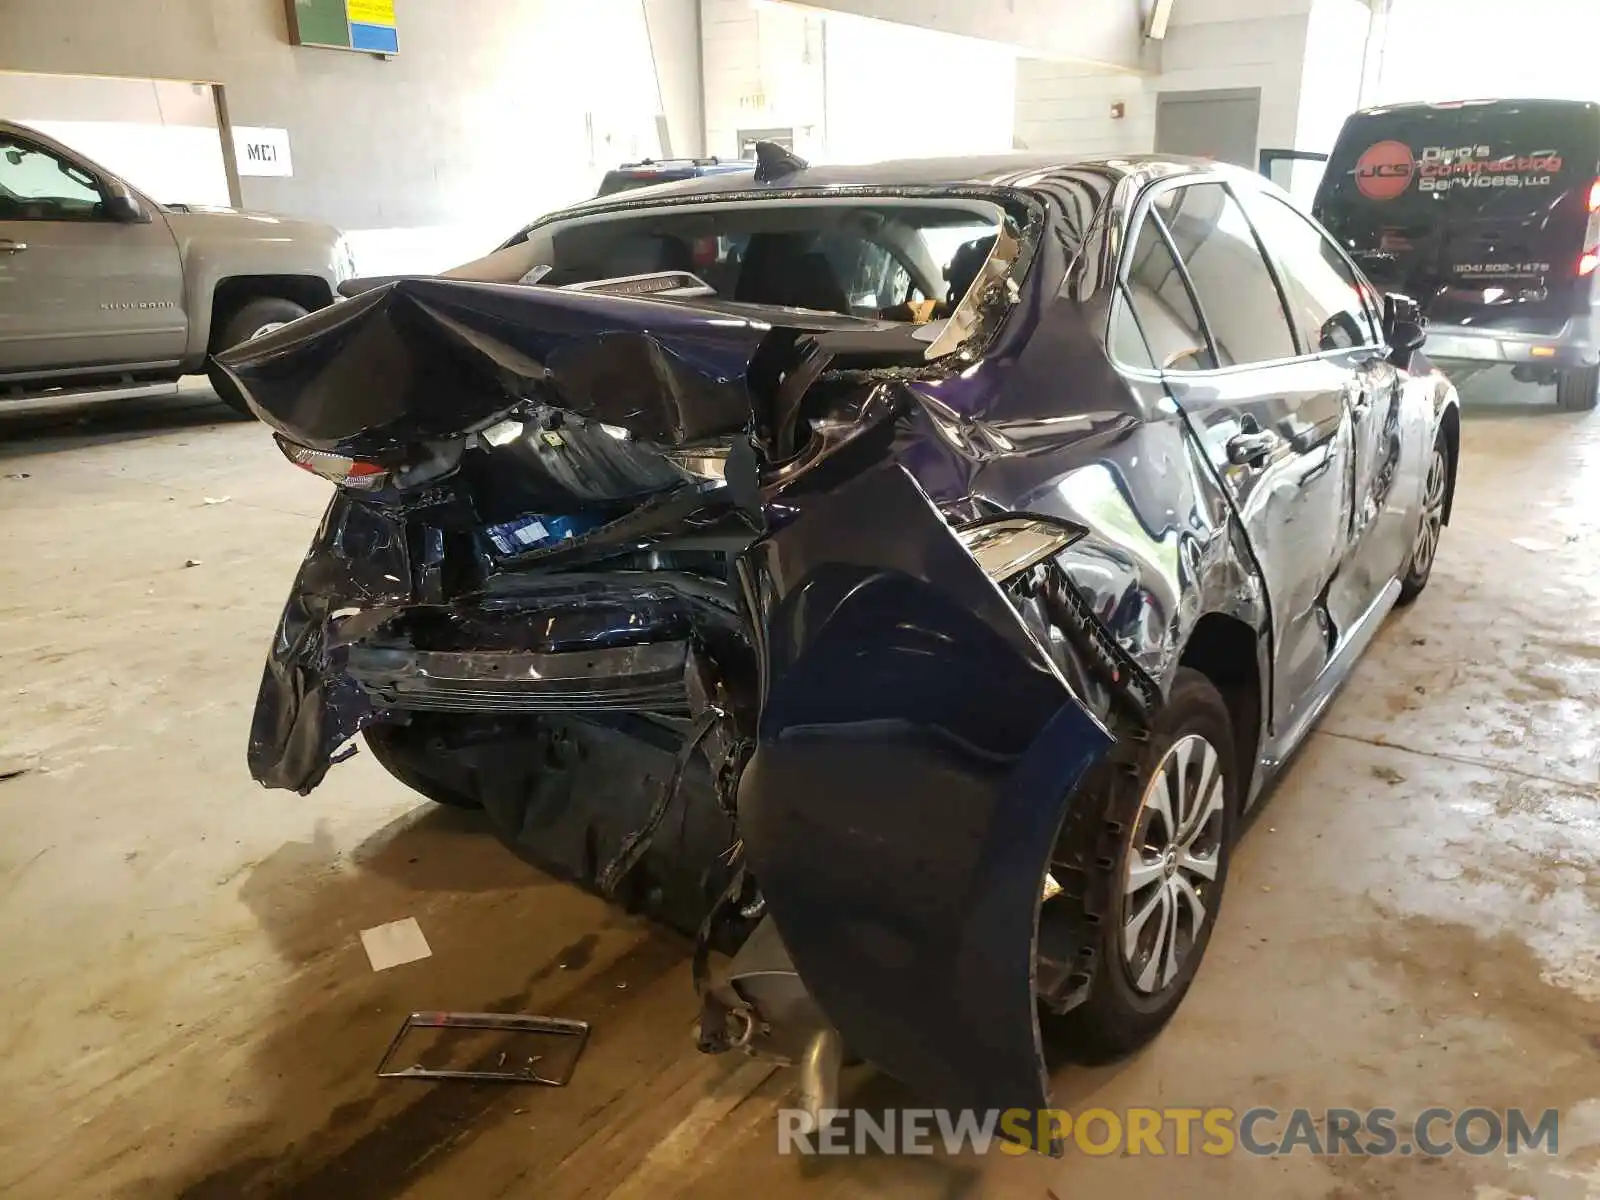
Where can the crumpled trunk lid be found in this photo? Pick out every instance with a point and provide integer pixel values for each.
(418, 360)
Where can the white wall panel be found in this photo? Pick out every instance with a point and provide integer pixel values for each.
(494, 111)
(1103, 31)
(160, 135)
(1247, 43)
(873, 114)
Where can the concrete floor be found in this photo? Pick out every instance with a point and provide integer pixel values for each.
(1413, 921)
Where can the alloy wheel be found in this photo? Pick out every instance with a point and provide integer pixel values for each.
(1173, 861)
(1428, 534)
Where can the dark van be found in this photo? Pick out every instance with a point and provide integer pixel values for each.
(1488, 213)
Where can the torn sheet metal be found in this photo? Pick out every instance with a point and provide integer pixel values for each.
(308, 704)
(916, 754)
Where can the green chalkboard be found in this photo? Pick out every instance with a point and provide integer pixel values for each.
(364, 25)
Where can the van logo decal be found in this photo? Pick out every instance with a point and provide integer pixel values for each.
(1384, 171)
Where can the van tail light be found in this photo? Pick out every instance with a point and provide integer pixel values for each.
(351, 473)
(1589, 262)
(1594, 196)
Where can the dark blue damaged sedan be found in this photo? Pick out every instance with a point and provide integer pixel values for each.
(903, 578)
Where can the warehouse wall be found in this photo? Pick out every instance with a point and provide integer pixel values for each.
(1210, 44)
(493, 112)
(763, 69)
(674, 27)
(1104, 31)
(851, 88)
(1335, 71)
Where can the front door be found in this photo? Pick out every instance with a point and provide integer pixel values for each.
(1275, 424)
(78, 289)
(1298, 172)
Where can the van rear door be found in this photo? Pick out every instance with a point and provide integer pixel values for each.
(1465, 205)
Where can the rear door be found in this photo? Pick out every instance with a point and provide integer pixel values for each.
(1275, 423)
(1479, 210)
(77, 288)
(1335, 317)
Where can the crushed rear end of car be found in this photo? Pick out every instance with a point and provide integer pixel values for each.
(652, 581)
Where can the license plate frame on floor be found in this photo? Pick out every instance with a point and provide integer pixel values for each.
(514, 1060)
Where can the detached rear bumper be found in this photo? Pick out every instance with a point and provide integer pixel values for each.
(1573, 346)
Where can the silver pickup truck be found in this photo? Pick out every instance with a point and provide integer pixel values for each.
(105, 293)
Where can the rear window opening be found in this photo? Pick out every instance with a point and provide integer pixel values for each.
(890, 259)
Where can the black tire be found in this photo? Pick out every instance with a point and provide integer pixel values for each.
(1435, 490)
(1577, 389)
(1119, 1015)
(402, 753)
(249, 320)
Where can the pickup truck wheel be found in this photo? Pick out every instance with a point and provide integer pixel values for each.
(253, 319)
(256, 318)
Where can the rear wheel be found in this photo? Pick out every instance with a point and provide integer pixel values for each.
(1577, 389)
(404, 754)
(252, 319)
(1153, 883)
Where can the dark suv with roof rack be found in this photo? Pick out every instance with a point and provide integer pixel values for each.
(665, 170)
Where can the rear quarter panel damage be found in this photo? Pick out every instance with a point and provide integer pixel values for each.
(915, 756)
(356, 575)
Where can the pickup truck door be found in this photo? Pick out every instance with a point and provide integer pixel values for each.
(78, 288)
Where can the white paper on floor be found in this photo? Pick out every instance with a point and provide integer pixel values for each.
(395, 943)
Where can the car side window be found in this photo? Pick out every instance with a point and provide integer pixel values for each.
(1232, 282)
(1325, 298)
(1158, 298)
(36, 185)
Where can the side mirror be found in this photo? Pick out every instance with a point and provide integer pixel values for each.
(1405, 329)
(122, 205)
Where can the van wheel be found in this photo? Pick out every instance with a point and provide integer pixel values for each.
(1576, 390)
(252, 319)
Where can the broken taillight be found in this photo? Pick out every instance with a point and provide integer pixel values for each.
(1006, 546)
(345, 471)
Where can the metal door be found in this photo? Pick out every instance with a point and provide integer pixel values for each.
(1219, 124)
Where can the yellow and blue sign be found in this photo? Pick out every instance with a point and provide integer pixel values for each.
(365, 25)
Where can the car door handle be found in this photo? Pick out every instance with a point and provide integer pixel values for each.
(1253, 448)
(9, 247)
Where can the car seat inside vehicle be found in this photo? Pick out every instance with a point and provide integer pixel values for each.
(884, 258)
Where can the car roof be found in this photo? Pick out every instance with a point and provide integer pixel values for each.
(686, 165)
(993, 170)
